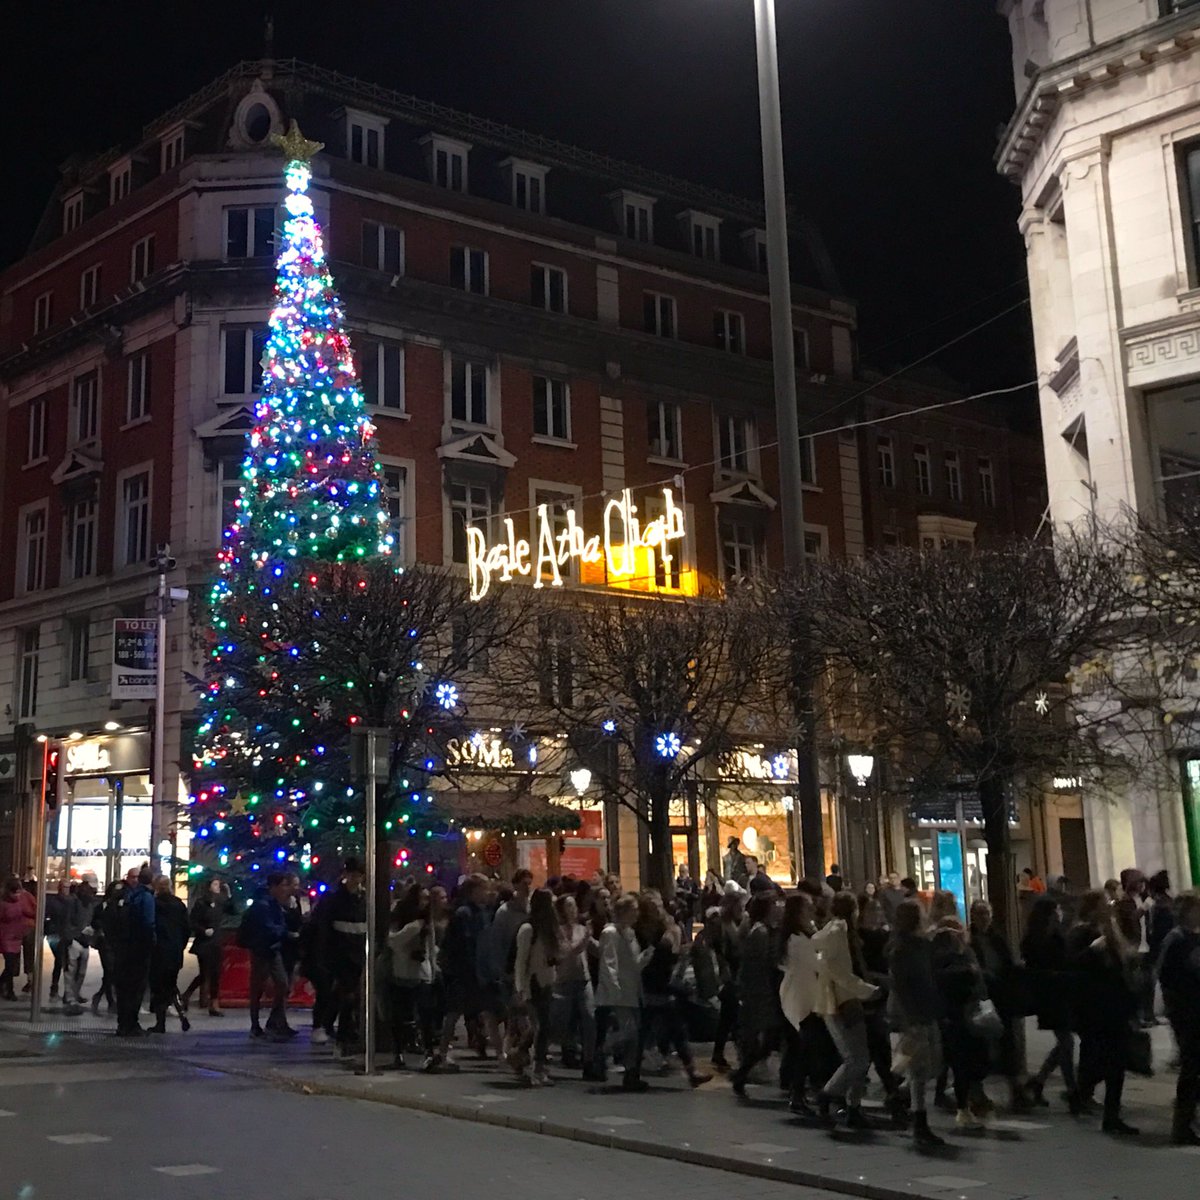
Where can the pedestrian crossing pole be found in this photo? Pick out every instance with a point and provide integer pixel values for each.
(365, 766)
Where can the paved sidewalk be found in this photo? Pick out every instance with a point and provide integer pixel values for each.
(1046, 1155)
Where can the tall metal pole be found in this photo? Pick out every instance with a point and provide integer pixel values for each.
(369, 883)
(158, 801)
(787, 420)
(39, 918)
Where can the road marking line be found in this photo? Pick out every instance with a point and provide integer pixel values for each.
(77, 1139)
(7, 1112)
(188, 1169)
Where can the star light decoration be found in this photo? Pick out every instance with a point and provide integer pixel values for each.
(1041, 704)
(446, 695)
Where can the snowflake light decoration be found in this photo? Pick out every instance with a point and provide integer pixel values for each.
(446, 695)
(608, 725)
(1041, 704)
(780, 766)
(667, 745)
(958, 701)
(324, 708)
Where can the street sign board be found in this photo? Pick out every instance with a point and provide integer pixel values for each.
(135, 658)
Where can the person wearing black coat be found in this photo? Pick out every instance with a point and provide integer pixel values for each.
(1179, 976)
(166, 960)
(1104, 966)
(208, 915)
(1000, 973)
(1044, 949)
(960, 982)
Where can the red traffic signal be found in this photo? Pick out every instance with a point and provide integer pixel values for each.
(50, 776)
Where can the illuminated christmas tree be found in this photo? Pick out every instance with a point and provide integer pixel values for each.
(270, 770)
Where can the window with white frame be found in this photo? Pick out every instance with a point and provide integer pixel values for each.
(89, 286)
(364, 139)
(381, 370)
(548, 287)
(636, 215)
(32, 557)
(953, 476)
(79, 648)
(120, 180)
(395, 485)
(242, 349)
(738, 443)
(1189, 181)
(470, 506)
(670, 561)
(921, 471)
(250, 231)
(135, 517)
(29, 650)
(755, 241)
(172, 150)
(664, 420)
(229, 487)
(85, 407)
(43, 309)
(137, 387)
(800, 349)
(72, 212)
(729, 330)
(659, 314)
(808, 461)
(35, 430)
(528, 186)
(447, 162)
(468, 391)
(556, 664)
(705, 236)
(383, 247)
(81, 538)
(469, 269)
(885, 461)
(141, 259)
(551, 408)
(815, 543)
(558, 504)
(740, 551)
(987, 483)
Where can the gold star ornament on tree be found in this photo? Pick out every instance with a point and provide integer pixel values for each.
(295, 146)
(239, 804)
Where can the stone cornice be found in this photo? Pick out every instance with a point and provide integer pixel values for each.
(1134, 53)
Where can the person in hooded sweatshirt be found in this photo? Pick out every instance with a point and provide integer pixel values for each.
(1179, 977)
(78, 930)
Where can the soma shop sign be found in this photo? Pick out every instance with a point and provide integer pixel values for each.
(742, 764)
(481, 752)
(622, 534)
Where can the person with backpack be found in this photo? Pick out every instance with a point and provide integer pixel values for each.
(262, 932)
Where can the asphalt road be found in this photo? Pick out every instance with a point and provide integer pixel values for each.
(106, 1123)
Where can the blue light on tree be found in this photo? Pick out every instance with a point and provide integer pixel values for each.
(667, 745)
(780, 766)
(609, 726)
(447, 695)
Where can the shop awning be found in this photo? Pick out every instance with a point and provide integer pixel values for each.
(506, 812)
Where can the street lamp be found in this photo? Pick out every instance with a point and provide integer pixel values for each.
(807, 826)
(861, 766)
(581, 780)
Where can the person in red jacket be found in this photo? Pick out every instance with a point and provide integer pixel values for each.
(18, 910)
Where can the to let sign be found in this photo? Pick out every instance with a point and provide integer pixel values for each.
(135, 658)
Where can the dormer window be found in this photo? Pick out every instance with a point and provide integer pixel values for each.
(635, 215)
(171, 149)
(755, 243)
(447, 161)
(120, 180)
(364, 138)
(72, 211)
(527, 184)
(703, 234)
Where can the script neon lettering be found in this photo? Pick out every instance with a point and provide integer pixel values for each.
(624, 534)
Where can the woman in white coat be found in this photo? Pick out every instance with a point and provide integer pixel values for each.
(841, 990)
(798, 996)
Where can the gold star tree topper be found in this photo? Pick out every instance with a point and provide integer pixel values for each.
(295, 146)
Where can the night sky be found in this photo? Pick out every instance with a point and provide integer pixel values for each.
(891, 113)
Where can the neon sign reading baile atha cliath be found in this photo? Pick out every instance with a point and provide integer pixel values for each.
(623, 534)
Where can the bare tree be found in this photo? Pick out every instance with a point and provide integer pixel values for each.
(652, 689)
(960, 661)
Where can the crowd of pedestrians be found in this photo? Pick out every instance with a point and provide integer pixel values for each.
(584, 977)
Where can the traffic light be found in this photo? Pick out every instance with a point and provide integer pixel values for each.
(50, 776)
